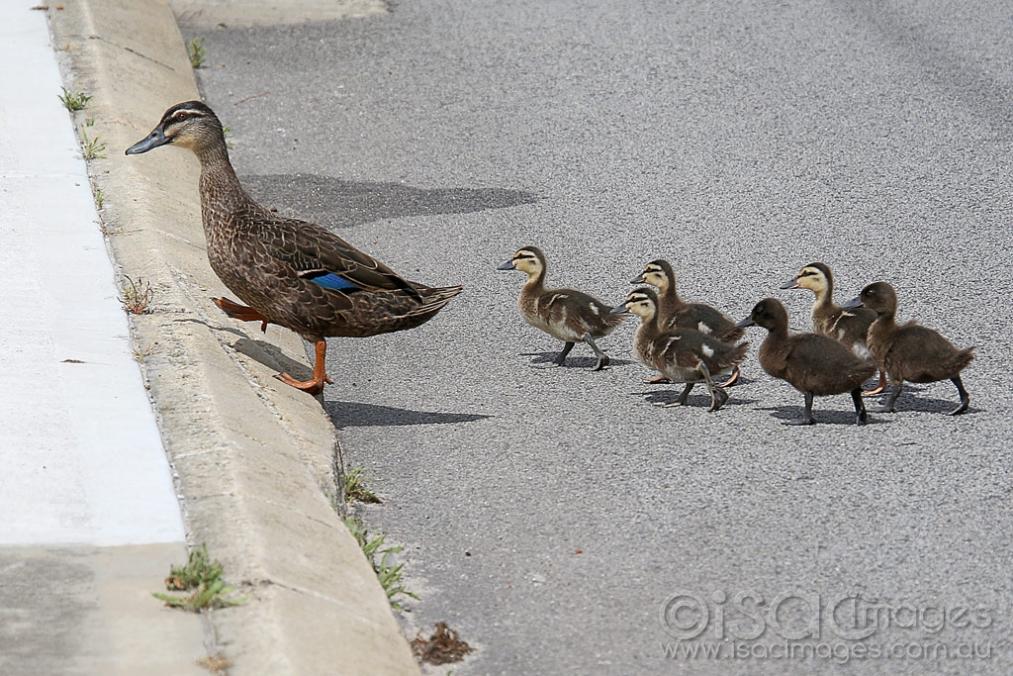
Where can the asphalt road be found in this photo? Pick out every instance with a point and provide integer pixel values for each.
(549, 515)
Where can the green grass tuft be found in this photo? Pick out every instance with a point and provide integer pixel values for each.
(202, 577)
(73, 101)
(355, 487)
(391, 577)
(195, 49)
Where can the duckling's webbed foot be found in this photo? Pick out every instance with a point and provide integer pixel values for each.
(561, 357)
(733, 378)
(718, 396)
(241, 312)
(879, 388)
(861, 417)
(603, 359)
(965, 398)
(807, 416)
(658, 379)
(681, 401)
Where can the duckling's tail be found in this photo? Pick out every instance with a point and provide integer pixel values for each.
(962, 359)
(739, 352)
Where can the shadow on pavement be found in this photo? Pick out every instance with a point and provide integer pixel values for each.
(338, 203)
(356, 414)
(571, 361)
(825, 416)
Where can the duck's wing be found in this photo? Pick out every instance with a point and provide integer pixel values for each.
(328, 260)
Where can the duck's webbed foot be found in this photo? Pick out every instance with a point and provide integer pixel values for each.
(807, 416)
(861, 417)
(314, 385)
(241, 312)
(965, 398)
(681, 401)
(603, 359)
(879, 388)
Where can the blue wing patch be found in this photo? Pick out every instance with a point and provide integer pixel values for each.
(330, 280)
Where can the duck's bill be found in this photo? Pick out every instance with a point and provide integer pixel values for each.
(506, 265)
(855, 302)
(153, 140)
(748, 321)
(791, 284)
(638, 279)
(620, 309)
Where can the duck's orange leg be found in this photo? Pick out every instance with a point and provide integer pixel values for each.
(241, 312)
(879, 388)
(316, 384)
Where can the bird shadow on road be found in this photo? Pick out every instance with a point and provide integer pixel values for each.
(667, 396)
(338, 203)
(357, 414)
(571, 362)
(911, 401)
(827, 416)
(261, 351)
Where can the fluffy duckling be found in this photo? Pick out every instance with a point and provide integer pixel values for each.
(674, 312)
(683, 355)
(815, 365)
(568, 315)
(910, 351)
(830, 319)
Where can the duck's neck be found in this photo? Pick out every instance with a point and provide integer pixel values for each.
(670, 296)
(825, 296)
(220, 191)
(535, 283)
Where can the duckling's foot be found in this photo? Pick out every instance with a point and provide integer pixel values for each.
(861, 417)
(241, 312)
(807, 415)
(658, 379)
(891, 403)
(965, 398)
(602, 362)
(718, 399)
(803, 421)
(603, 359)
(879, 388)
(732, 379)
(561, 357)
(681, 401)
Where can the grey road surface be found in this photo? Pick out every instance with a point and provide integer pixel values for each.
(557, 519)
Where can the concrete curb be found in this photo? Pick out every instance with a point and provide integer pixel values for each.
(253, 459)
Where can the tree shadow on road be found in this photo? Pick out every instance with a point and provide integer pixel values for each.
(338, 203)
(357, 414)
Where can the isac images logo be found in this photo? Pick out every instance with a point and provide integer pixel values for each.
(810, 626)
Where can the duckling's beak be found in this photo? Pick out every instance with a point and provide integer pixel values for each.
(156, 138)
(855, 302)
(638, 279)
(748, 321)
(791, 284)
(620, 309)
(505, 265)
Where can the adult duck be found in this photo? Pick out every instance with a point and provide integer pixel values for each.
(288, 272)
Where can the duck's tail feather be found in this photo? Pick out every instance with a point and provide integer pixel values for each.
(433, 299)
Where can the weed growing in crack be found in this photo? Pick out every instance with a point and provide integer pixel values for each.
(202, 577)
(195, 49)
(137, 296)
(391, 577)
(355, 487)
(73, 101)
(91, 147)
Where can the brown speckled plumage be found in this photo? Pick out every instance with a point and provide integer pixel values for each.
(675, 312)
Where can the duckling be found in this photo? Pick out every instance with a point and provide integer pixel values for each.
(568, 315)
(683, 355)
(829, 319)
(288, 272)
(813, 364)
(674, 312)
(910, 351)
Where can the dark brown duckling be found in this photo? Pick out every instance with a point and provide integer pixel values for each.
(910, 351)
(675, 312)
(830, 319)
(683, 355)
(568, 315)
(815, 365)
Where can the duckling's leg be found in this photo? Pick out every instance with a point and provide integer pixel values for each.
(681, 401)
(965, 398)
(807, 417)
(603, 359)
(860, 415)
(316, 384)
(241, 312)
(732, 379)
(891, 401)
(561, 357)
(879, 388)
(718, 396)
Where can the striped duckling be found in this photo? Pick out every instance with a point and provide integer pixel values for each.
(682, 355)
(910, 351)
(830, 319)
(675, 312)
(565, 314)
(815, 365)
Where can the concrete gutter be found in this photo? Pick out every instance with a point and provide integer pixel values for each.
(253, 459)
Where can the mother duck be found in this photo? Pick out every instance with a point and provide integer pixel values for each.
(288, 272)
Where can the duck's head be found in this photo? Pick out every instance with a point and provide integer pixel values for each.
(528, 259)
(641, 302)
(816, 277)
(768, 313)
(657, 273)
(879, 297)
(190, 124)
